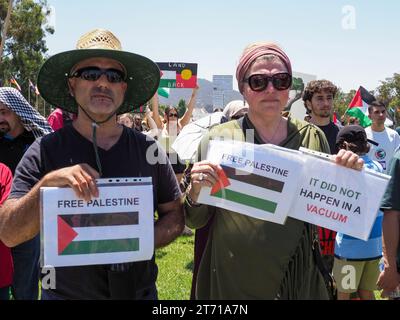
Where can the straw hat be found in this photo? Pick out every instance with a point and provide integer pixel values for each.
(143, 75)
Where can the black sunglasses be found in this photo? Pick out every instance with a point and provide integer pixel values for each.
(94, 73)
(259, 82)
(172, 115)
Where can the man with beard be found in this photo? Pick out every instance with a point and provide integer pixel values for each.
(20, 125)
(318, 99)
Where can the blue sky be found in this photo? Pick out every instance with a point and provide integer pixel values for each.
(351, 43)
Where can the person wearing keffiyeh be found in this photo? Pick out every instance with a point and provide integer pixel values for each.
(20, 125)
(31, 119)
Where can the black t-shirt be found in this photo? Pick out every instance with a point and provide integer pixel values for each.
(127, 158)
(331, 131)
(12, 150)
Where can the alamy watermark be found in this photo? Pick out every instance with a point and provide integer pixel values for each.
(349, 281)
(48, 278)
(349, 20)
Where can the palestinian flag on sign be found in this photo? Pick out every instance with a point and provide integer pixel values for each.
(358, 107)
(178, 74)
(234, 185)
(95, 233)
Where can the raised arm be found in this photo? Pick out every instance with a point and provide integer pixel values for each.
(156, 113)
(153, 130)
(189, 111)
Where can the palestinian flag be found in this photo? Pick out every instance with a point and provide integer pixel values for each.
(95, 233)
(358, 107)
(234, 186)
(163, 92)
(335, 118)
(178, 75)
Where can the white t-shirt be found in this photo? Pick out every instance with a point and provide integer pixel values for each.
(389, 141)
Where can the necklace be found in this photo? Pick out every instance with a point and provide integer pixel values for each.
(270, 140)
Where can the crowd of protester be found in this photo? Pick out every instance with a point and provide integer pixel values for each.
(94, 110)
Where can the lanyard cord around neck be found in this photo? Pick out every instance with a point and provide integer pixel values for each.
(95, 124)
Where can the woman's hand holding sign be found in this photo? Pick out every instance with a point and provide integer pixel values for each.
(203, 174)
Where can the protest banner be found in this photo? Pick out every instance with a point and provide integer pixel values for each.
(116, 227)
(338, 198)
(256, 180)
(272, 183)
(178, 75)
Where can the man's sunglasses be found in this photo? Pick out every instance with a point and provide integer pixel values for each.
(259, 82)
(94, 73)
(173, 115)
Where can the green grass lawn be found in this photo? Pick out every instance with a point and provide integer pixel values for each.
(175, 267)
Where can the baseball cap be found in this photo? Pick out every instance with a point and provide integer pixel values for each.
(354, 134)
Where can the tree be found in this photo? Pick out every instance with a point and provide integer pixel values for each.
(342, 100)
(181, 107)
(298, 87)
(389, 93)
(25, 46)
(5, 25)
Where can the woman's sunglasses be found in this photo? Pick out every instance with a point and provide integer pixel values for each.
(94, 73)
(173, 115)
(259, 82)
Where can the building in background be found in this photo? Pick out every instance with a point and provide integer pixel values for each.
(222, 85)
(223, 82)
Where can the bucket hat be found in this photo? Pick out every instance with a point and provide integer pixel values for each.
(142, 74)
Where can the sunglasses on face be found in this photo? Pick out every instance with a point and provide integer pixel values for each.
(259, 82)
(173, 115)
(94, 73)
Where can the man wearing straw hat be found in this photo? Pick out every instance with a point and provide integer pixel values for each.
(97, 81)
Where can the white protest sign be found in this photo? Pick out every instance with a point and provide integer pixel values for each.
(259, 181)
(338, 198)
(117, 227)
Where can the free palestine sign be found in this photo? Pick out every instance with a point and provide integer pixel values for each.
(272, 183)
(117, 227)
(256, 180)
